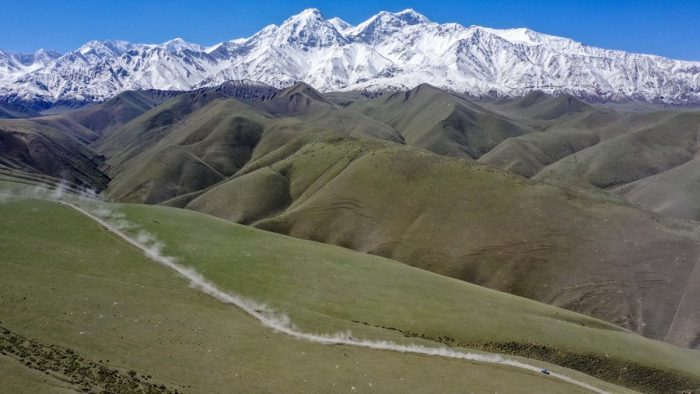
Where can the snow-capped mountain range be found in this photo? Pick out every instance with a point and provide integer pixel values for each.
(387, 51)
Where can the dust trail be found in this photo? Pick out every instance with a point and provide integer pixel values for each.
(59, 191)
(281, 323)
(117, 223)
(62, 190)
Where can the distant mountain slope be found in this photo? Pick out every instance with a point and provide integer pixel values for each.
(50, 149)
(675, 192)
(647, 158)
(652, 147)
(217, 137)
(15, 110)
(101, 118)
(387, 51)
(57, 145)
(447, 124)
(476, 224)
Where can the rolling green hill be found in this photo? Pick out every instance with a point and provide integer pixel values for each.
(444, 123)
(651, 165)
(104, 117)
(673, 192)
(217, 138)
(57, 145)
(32, 146)
(646, 156)
(112, 320)
(116, 310)
(484, 226)
(351, 170)
(298, 164)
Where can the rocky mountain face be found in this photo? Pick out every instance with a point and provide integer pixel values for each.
(14, 64)
(387, 51)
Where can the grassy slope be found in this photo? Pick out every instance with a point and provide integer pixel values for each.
(104, 117)
(493, 243)
(32, 145)
(111, 305)
(441, 122)
(647, 156)
(158, 158)
(569, 142)
(325, 288)
(539, 105)
(477, 224)
(559, 139)
(640, 152)
(145, 130)
(527, 155)
(566, 126)
(56, 145)
(16, 378)
(213, 144)
(673, 192)
(217, 139)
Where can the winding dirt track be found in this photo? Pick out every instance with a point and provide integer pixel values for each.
(282, 324)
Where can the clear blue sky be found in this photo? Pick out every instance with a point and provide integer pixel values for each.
(668, 28)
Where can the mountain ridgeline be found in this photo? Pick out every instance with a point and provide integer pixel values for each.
(395, 51)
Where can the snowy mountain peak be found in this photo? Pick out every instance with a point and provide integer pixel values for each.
(309, 28)
(307, 18)
(105, 47)
(340, 24)
(398, 50)
(178, 44)
(44, 56)
(309, 13)
(387, 23)
(410, 16)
